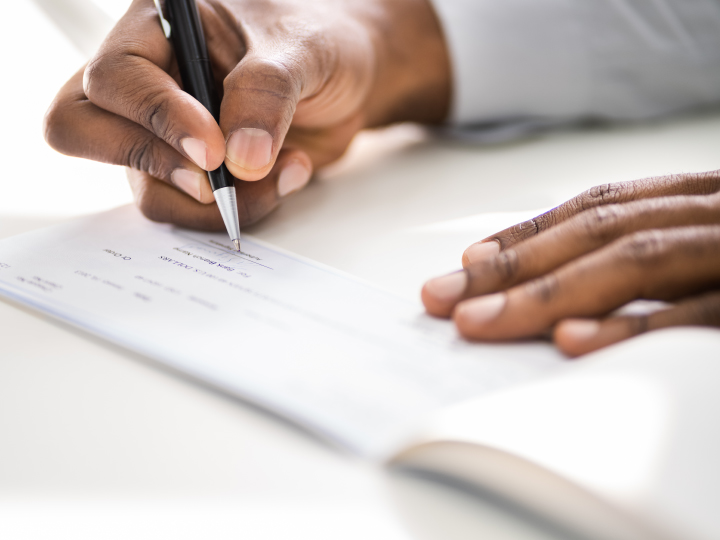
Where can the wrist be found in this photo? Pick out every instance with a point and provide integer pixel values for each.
(412, 80)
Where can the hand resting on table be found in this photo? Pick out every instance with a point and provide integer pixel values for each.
(568, 269)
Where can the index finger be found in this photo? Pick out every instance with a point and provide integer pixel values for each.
(129, 77)
(605, 194)
(654, 264)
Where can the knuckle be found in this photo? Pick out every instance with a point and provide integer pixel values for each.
(95, 74)
(602, 223)
(518, 232)
(605, 194)
(543, 222)
(526, 229)
(506, 264)
(141, 154)
(150, 108)
(271, 79)
(545, 288)
(146, 103)
(645, 248)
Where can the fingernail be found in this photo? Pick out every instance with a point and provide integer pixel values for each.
(579, 330)
(196, 150)
(481, 251)
(447, 288)
(293, 177)
(484, 309)
(190, 182)
(250, 148)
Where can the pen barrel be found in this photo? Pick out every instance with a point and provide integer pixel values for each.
(188, 41)
(221, 178)
(190, 48)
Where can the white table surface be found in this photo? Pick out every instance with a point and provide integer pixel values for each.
(95, 442)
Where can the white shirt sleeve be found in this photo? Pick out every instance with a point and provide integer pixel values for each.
(565, 60)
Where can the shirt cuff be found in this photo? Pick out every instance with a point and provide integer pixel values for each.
(514, 59)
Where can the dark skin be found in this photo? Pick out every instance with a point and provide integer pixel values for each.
(299, 79)
(566, 270)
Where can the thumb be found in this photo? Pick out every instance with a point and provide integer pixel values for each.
(259, 102)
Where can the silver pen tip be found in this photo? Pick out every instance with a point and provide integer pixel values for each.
(236, 243)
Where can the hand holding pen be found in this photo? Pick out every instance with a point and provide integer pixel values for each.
(183, 26)
(297, 80)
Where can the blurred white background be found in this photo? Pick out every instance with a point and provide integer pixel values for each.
(37, 181)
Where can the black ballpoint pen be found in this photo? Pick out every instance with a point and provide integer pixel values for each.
(182, 25)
